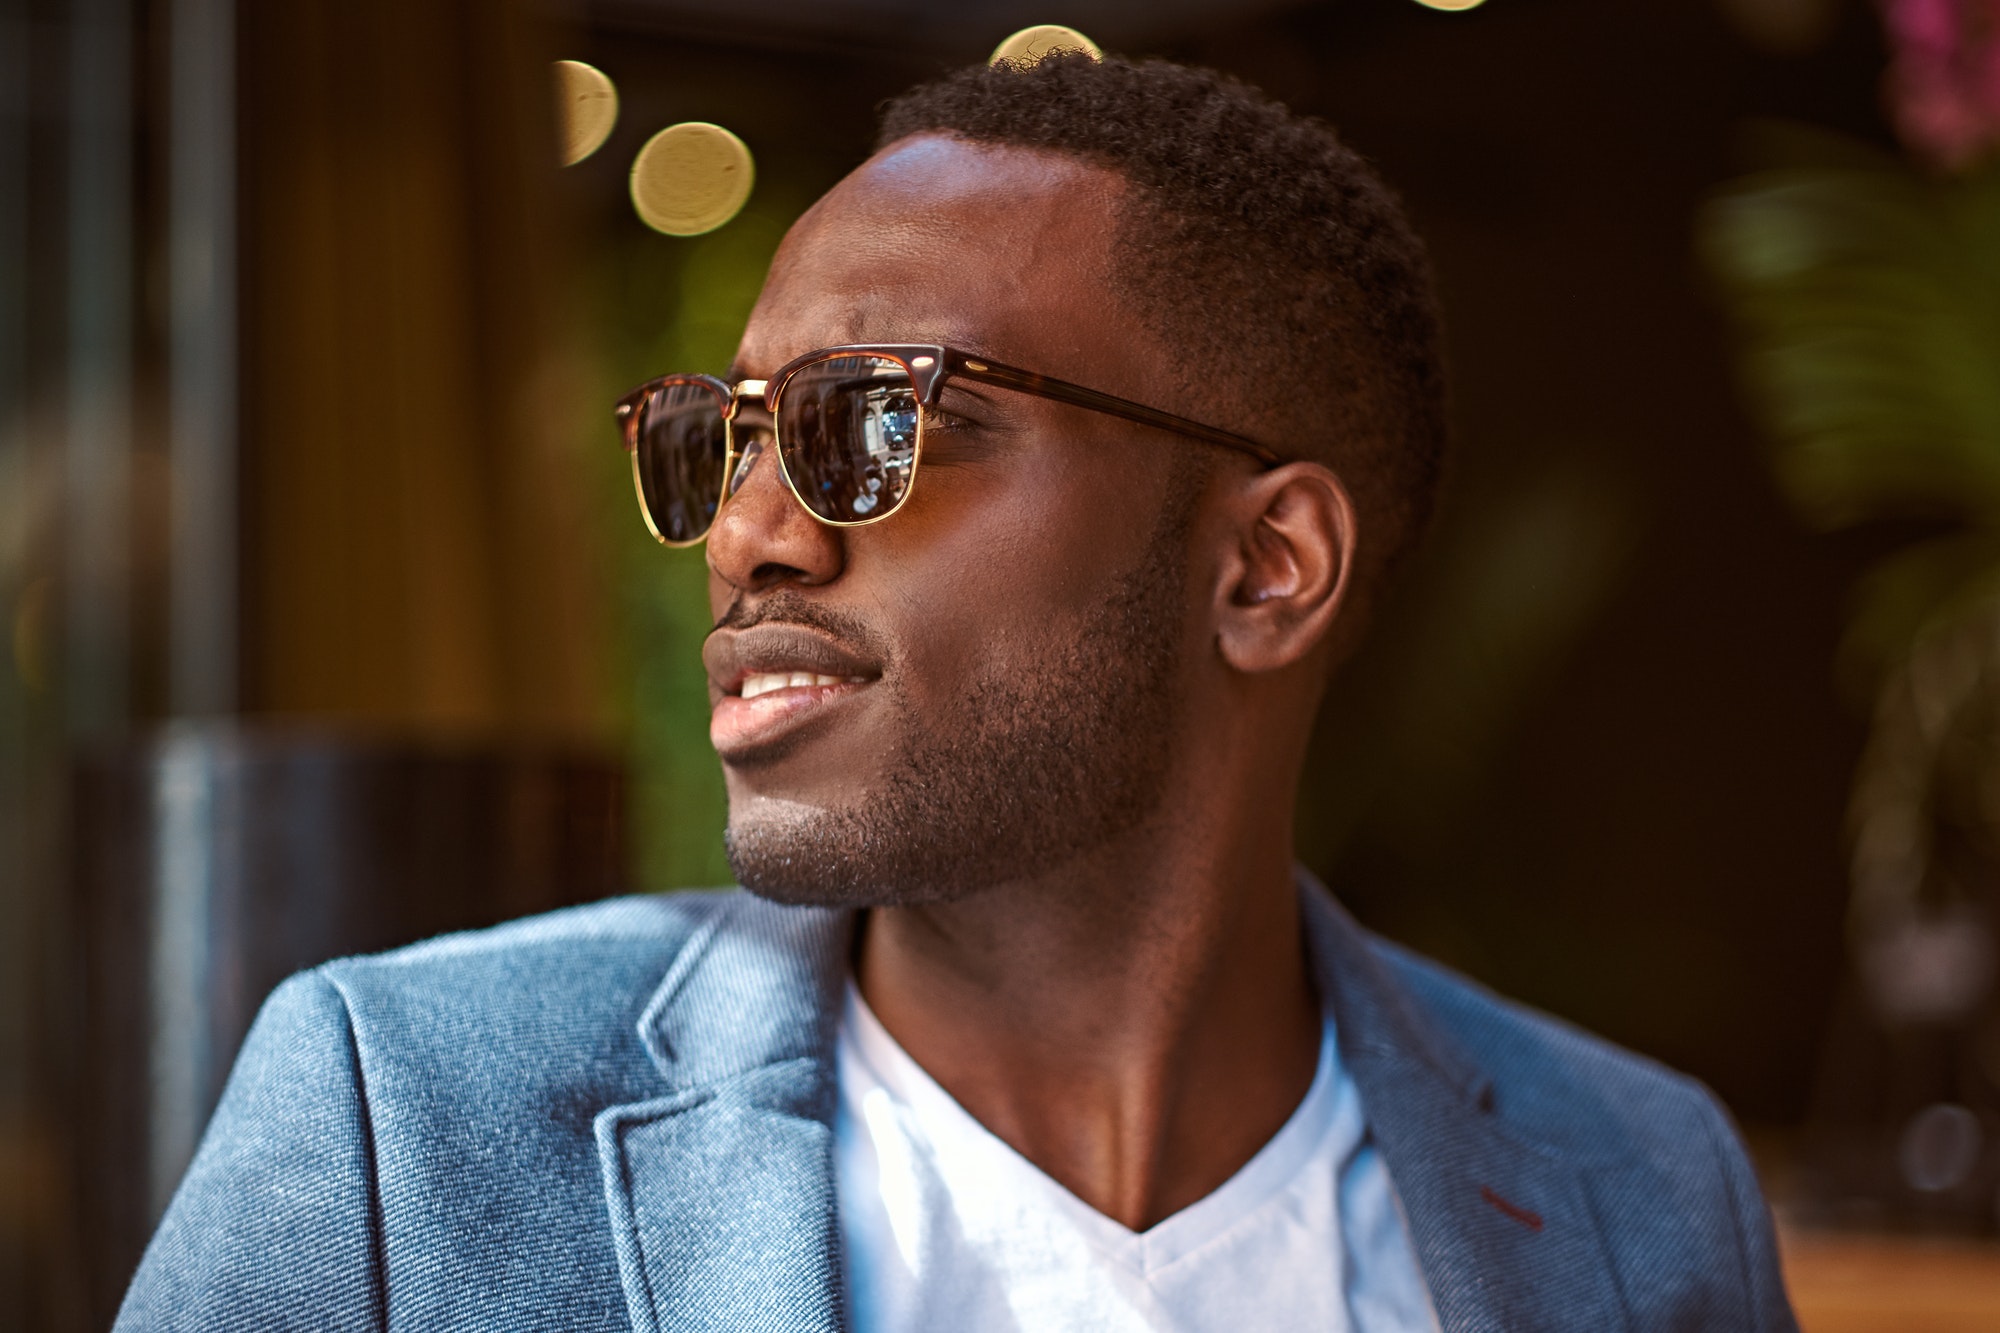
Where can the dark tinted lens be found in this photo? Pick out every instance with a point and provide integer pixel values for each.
(848, 428)
(682, 444)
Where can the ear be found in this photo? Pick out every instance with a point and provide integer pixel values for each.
(1285, 573)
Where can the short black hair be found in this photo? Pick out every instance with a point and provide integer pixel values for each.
(1270, 257)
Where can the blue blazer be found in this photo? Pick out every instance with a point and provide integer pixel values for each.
(619, 1116)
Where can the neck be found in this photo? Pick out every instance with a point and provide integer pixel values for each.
(1137, 1024)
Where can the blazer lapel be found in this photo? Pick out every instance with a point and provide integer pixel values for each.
(721, 1192)
(1503, 1228)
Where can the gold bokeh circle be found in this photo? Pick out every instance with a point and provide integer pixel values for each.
(691, 178)
(586, 109)
(1030, 45)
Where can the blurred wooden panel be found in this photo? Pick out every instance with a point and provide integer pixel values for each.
(1883, 1284)
(417, 553)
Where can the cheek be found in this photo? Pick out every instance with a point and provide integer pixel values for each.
(1018, 569)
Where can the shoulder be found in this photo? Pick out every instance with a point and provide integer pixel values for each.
(574, 949)
(557, 995)
(1553, 1083)
(397, 1104)
(1667, 1175)
(639, 920)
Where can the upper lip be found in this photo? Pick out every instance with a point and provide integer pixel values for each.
(731, 654)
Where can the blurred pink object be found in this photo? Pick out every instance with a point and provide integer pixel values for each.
(1944, 77)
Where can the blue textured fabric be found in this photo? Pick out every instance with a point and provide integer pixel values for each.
(619, 1116)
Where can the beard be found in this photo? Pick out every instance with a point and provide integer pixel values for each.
(1042, 763)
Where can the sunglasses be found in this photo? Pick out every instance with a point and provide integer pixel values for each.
(847, 424)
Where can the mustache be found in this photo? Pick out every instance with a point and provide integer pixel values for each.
(790, 608)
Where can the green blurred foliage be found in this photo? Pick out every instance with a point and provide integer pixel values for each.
(1868, 295)
(661, 304)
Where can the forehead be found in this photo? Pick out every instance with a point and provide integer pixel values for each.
(996, 249)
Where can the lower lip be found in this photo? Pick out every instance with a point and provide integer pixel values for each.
(738, 723)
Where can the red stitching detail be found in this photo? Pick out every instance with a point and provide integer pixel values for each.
(1527, 1217)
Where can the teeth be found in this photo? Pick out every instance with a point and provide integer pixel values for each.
(763, 682)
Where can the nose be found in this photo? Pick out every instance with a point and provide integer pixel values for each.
(763, 537)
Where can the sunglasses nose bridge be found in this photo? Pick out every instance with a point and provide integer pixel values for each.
(748, 396)
(750, 391)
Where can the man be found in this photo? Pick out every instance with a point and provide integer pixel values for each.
(1067, 449)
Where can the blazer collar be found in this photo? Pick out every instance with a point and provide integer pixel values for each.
(1373, 1012)
(757, 985)
(1503, 1228)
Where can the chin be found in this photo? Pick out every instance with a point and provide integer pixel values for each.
(830, 858)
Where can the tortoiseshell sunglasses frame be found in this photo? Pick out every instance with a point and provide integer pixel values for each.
(930, 367)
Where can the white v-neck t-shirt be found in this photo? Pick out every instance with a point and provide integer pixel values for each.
(946, 1229)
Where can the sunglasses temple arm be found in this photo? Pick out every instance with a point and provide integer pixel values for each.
(1062, 391)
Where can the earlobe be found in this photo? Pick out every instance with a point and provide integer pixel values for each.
(1286, 578)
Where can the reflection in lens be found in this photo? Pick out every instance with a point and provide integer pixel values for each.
(849, 432)
(682, 445)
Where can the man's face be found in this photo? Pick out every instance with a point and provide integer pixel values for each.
(998, 662)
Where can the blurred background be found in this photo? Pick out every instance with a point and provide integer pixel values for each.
(330, 622)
